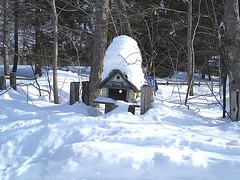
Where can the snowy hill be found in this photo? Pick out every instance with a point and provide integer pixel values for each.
(41, 140)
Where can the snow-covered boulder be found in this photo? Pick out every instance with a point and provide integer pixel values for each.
(124, 54)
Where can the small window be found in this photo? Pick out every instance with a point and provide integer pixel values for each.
(118, 77)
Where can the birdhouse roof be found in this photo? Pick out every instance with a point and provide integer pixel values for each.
(112, 74)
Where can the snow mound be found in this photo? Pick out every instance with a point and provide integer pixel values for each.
(124, 54)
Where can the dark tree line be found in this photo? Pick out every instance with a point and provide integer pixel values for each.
(161, 29)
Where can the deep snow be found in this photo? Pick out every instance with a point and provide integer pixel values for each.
(124, 54)
(41, 140)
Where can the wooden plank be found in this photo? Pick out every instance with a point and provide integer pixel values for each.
(103, 102)
(181, 84)
(21, 78)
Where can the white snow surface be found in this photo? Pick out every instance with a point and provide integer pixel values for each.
(43, 141)
(123, 53)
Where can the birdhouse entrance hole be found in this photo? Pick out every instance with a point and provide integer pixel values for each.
(118, 94)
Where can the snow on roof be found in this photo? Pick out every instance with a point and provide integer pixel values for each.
(124, 54)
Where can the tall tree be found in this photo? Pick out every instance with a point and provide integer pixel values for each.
(38, 38)
(55, 51)
(99, 48)
(232, 22)
(190, 58)
(5, 40)
(125, 27)
(15, 63)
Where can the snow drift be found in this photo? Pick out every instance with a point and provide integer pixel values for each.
(40, 140)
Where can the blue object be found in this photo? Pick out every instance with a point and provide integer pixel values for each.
(151, 80)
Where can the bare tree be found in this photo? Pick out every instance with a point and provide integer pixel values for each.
(232, 20)
(99, 48)
(190, 50)
(5, 39)
(190, 58)
(125, 27)
(38, 34)
(55, 51)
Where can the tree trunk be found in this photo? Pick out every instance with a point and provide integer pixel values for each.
(5, 40)
(15, 63)
(124, 23)
(99, 48)
(55, 52)
(223, 65)
(231, 15)
(190, 70)
(190, 50)
(38, 57)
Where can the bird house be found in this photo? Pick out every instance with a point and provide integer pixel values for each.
(118, 87)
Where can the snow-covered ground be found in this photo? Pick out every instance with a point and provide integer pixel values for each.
(41, 140)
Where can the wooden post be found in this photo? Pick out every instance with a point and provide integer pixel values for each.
(109, 107)
(85, 92)
(13, 82)
(77, 90)
(146, 98)
(234, 103)
(131, 109)
(3, 83)
(72, 93)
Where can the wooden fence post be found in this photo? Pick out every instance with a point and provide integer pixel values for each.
(72, 93)
(146, 98)
(77, 90)
(234, 103)
(3, 83)
(13, 82)
(85, 92)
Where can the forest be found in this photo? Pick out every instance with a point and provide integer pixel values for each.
(159, 27)
(173, 35)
